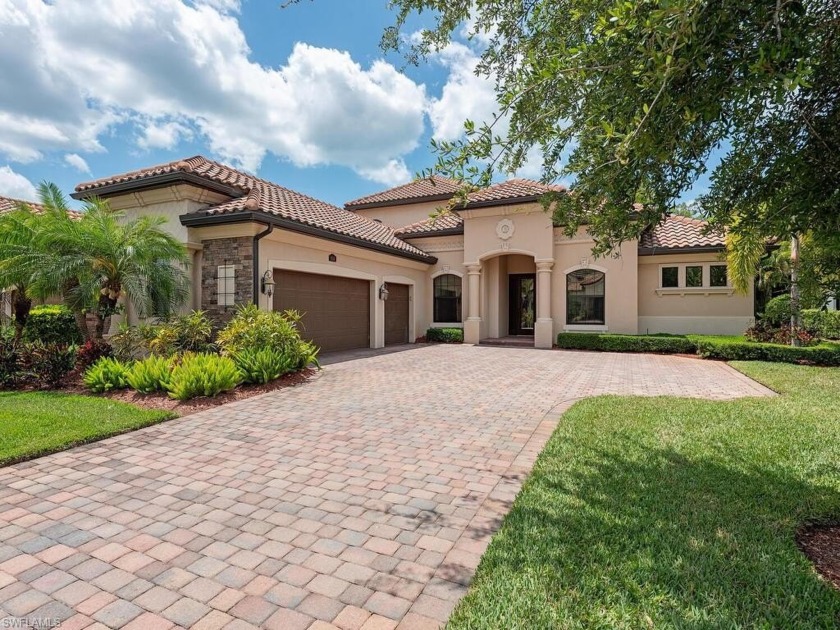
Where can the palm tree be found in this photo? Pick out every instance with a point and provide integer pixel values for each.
(96, 258)
(17, 231)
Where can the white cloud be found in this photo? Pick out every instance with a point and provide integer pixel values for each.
(78, 162)
(15, 185)
(172, 67)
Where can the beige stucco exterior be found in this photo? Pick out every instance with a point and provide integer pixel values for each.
(498, 242)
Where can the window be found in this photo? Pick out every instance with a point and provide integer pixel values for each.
(717, 276)
(670, 277)
(225, 277)
(447, 299)
(694, 276)
(585, 297)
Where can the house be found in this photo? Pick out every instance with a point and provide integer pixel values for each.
(379, 271)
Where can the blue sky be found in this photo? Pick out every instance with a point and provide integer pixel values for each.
(301, 95)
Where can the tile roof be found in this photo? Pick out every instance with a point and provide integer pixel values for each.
(7, 204)
(678, 232)
(259, 195)
(512, 189)
(435, 187)
(445, 223)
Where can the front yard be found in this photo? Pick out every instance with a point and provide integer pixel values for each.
(35, 423)
(662, 512)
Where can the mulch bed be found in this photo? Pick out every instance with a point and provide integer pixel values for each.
(162, 401)
(821, 544)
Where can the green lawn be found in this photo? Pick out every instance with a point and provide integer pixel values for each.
(35, 423)
(672, 513)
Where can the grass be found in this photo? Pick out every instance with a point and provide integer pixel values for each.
(36, 423)
(672, 513)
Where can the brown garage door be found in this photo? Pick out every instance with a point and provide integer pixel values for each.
(396, 314)
(336, 310)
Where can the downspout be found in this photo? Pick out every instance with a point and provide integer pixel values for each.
(255, 252)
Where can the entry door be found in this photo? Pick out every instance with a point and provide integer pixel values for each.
(396, 314)
(523, 303)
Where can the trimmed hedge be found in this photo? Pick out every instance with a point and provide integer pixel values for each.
(626, 343)
(445, 335)
(826, 354)
(52, 324)
(824, 324)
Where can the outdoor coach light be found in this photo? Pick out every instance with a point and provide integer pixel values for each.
(383, 292)
(267, 283)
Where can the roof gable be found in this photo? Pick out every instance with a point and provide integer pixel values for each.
(681, 233)
(417, 191)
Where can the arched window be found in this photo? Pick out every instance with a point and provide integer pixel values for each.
(447, 299)
(585, 297)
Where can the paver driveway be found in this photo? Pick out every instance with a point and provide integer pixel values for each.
(361, 499)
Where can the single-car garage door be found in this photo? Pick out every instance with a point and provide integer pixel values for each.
(336, 310)
(396, 314)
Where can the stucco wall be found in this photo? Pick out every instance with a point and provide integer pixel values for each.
(449, 250)
(620, 281)
(703, 310)
(398, 216)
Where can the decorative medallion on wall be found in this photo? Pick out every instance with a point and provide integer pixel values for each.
(505, 229)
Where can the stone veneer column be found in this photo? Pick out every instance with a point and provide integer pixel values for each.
(236, 251)
(472, 327)
(544, 327)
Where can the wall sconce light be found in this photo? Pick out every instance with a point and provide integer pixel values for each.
(383, 292)
(333, 258)
(267, 283)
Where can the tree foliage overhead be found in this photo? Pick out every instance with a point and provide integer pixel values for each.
(636, 95)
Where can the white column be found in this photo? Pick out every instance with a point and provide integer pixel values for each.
(472, 327)
(544, 327)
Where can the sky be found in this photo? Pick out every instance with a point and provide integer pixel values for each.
(301, 95)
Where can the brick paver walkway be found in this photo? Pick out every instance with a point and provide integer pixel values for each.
(363, 499)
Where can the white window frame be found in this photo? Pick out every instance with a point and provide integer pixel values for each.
(683, 289)
(226, 285)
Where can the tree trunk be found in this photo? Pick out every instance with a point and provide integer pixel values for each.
(795, 313)
(21, 306)
(81, 324)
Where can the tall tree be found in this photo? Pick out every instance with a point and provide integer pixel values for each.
(17, 230)
(636, 96)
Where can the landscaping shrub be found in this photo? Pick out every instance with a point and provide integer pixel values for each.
(188, 333)
(827, 354)
(91, 351)
(777, 311)
(132, 342)
(151, 374)
(253, 328)
(107, 374)
(626, 343)
(46, 363)
(823, 324)
(52, 324)
(764, 332)
(261, 365)
(202, 375)
(9, 370)
(445, 335)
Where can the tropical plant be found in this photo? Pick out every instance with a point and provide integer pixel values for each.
(252, 328)
(91, 351)
(151, 374)
(202, 375)
(46, 364)
(96, 258)
(107, 374)
(17, 232)
(188, 333)
(261, 365)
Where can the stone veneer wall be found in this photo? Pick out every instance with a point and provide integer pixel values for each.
(226, 251)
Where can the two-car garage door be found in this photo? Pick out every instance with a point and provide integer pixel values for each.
(337, 310)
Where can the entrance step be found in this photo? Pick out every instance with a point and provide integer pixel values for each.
(522, 341)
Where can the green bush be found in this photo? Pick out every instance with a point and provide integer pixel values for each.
(132, 342)
(823, 324)
(626, 343)
(151, 374)
(187, 333)
(777, 311)
(107, 374)
(46, 364)
(252, 328)
(202, 375)
(262, 365)
(9, 369)
(52, 324)
(445, 335)
(826, 354)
